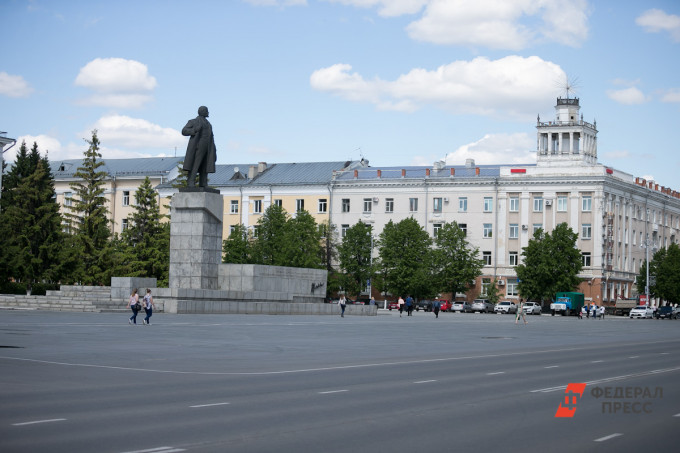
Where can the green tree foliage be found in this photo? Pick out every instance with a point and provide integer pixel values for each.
(30, 223)
(492, 292)
(456, 263)
(236, 249)
(269, 246)
(144, 250)
(665, 267)
(355, 257)
(405, 256)
(303, 242)
(551, 263)
(88, 217)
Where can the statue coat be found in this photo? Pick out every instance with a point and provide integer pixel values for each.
(200, 145)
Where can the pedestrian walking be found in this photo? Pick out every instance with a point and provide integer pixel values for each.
(148, 306)
(436, 306)
(409, 305)
(593, 310)
(343, 303)
(520, 312)
(602, 312)
(133, 303)
(401, 306)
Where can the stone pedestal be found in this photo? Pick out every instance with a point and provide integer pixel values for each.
(195, 240)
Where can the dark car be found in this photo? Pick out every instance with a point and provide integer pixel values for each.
(667, 312)
(424, 305)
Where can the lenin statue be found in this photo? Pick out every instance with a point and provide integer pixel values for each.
(201, 153)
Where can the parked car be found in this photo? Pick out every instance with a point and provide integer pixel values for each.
(667, 312)
(505, 306)
(641, 311)
(394, 305)
(463, 307)
(482, 306)
(424, 305)
(445, 305)
(532, 308)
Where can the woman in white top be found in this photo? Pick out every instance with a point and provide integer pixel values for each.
(132, 303)
(147, 303)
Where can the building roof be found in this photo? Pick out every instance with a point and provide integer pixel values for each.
(142, 166)
(420, 172)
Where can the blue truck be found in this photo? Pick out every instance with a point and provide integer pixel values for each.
(567, 303)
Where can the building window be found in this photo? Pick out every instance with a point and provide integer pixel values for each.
(436, 227)
(538, 204)
(343, 230)
(234, 206)
(437, 205)
(486, 256)
(514, 231)
(561, 203)
(125, 225)
(323, 230)
(487, 230)
(413, 204)
(585, 258)
(486, 282)
(256, 231)
(587, 203)
(634, 238)
(488, 204)
(345, 205)
(514, 204)
(68, 198)
(299, 205)
(462, 204)
(323, 205)
(232, 228)
(514, 259)
(126, 198)
(389, 204)
(586, 231)
(463, 228)
(511, 287)
(537, 226)
(278, 202)
(257, 206)
(368, 205)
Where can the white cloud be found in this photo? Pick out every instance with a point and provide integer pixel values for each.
(657, 21)
(671, 95)
(387, 8)
(514, 86)
(134, 133)
(116, 82)
(627, 96)
(496, 149)
(14, 86)
(45, 144)
(501, 24)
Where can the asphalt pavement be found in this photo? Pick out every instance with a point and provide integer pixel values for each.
(89, 382)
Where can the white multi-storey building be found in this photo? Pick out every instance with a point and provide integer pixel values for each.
(615, 215)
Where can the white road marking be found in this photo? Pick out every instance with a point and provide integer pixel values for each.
(597, 361)
(425, 382)
(551, 366)
(613, 378)
(497, 372)
(676, 415)
(634, 357)
(333, 391)
(308, 370)
(158, 450)
(211, 404)
(39, 421)
(611, 436)
(664, 353)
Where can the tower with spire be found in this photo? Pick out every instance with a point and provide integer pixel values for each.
(568, 140)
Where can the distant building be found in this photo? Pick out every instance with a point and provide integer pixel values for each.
(500, 206)
(4, 142)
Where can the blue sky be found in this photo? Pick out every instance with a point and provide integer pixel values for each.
(399, 82)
